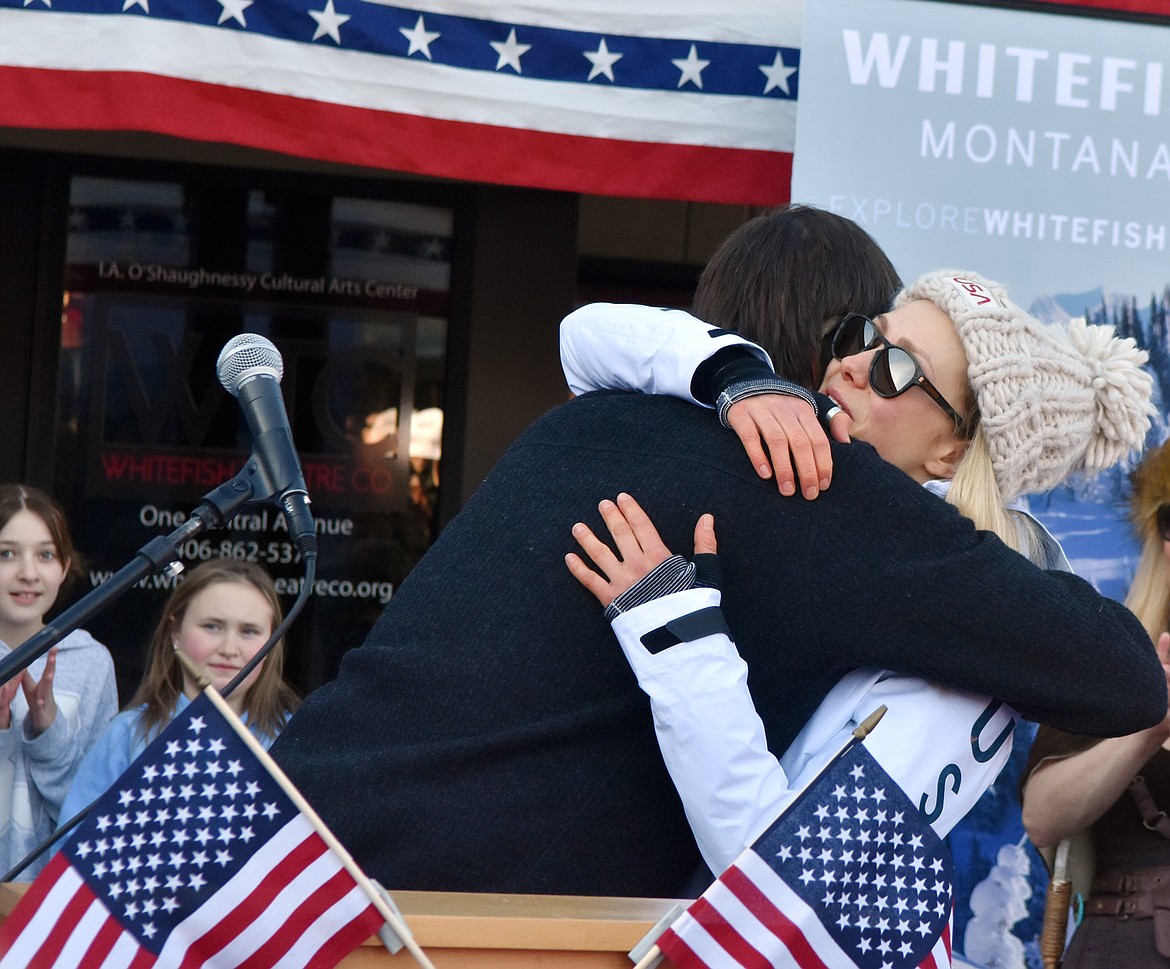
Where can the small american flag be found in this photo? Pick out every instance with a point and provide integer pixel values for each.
(850, 875)
(196, 857)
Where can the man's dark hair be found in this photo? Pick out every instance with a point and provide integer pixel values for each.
(785, 278)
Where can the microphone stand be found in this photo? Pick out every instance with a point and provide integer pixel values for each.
(159, 555)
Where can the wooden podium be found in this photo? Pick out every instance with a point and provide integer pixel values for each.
(471, 931)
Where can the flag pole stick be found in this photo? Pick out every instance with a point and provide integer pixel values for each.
(387, 913)
(648, 959)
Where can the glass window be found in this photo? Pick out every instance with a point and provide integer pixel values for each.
(353, 293)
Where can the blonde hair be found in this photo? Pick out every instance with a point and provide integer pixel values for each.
(1149, 592)
(975, 493)
(269, 701)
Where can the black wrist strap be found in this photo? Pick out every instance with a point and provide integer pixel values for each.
(708, 572)
(686, 629)
(725, 366)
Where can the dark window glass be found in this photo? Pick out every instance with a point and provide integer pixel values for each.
(353, 293)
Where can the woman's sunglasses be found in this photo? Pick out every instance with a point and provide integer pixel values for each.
(1164, 522)
(894, 370)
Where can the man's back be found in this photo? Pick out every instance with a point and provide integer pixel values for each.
(489, 736)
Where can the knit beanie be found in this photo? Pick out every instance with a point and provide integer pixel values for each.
(1053, 399)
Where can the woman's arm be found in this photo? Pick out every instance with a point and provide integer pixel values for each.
(1064, 795)
(711, 737)
(618, 346)
(624, 346)
(87, 701)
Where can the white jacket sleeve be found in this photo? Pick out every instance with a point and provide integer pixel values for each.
(711, 737)
(623, 346)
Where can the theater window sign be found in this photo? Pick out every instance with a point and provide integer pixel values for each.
(352, 292)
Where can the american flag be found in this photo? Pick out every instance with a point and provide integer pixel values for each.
(196, 857)
(604, 97)
(850, 875)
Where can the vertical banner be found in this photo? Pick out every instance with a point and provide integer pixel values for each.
(1031, 147)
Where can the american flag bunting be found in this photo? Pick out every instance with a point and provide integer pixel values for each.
(697, 103)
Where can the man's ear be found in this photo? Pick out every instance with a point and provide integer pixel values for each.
(945, 457)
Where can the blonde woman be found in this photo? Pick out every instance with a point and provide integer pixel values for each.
(1014, 429)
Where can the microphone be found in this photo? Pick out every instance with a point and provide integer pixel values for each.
(250, 368)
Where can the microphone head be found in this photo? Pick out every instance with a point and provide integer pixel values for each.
(244, 357)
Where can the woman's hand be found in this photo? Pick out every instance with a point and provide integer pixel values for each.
(640, 549)
(42, 708)
(779, 431)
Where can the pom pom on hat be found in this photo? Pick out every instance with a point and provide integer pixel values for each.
(1053, 400)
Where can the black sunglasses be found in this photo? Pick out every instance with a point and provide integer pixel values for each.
(1164, 522)
(894, 370)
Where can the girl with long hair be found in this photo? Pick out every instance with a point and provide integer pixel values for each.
(53, 712)
(218, 616)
